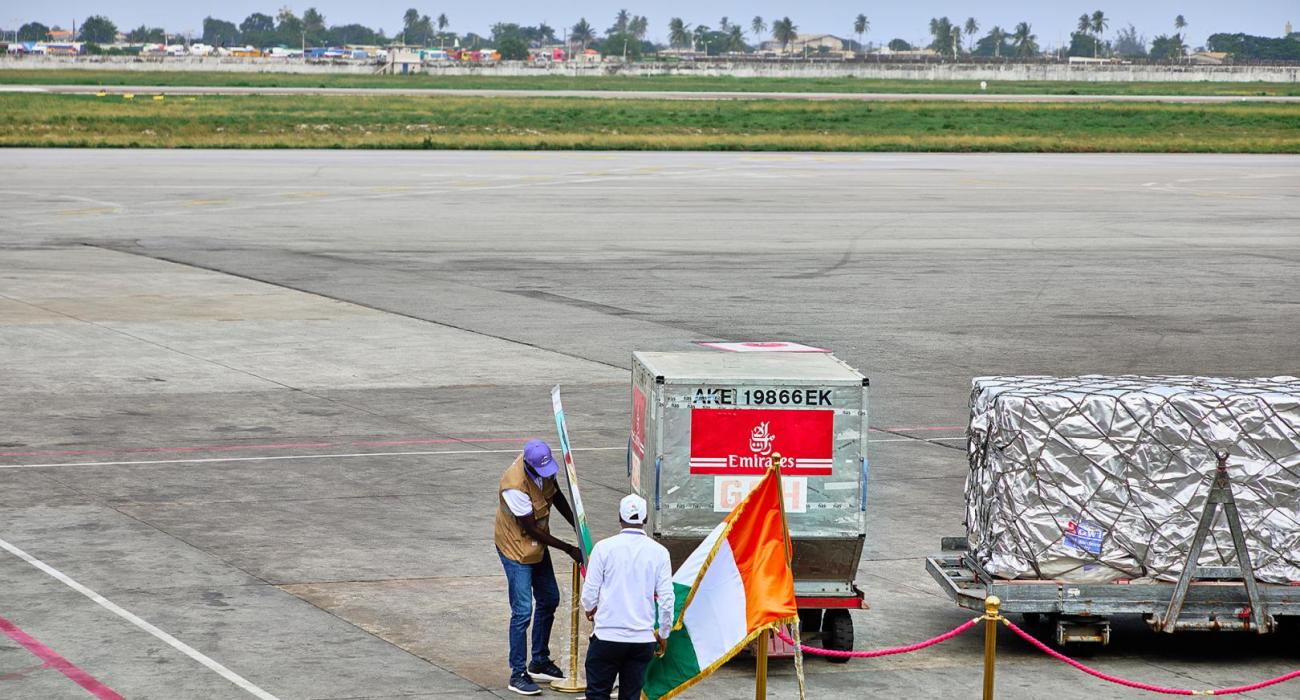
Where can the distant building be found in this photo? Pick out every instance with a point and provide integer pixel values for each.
(681, 53)
(911, 53)
(402, 61)
(61, 36)
(1210, 58)
(812, 44)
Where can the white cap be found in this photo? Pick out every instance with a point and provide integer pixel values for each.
(632, 509)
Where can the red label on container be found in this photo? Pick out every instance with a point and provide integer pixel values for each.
(730, 441)
(638, 421)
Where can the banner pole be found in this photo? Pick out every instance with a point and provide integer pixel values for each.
(991, 620)
(571, 684)
(760, 675)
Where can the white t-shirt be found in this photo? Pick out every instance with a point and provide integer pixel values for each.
(518, 502)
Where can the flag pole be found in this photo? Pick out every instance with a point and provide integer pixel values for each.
(789, 561)
(764, 639)
(572, 684)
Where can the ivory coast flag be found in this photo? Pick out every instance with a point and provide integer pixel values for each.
(736, 584)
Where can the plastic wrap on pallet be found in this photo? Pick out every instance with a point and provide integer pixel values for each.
(1099, 478)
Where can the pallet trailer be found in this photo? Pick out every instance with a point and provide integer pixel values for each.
(1204, 598)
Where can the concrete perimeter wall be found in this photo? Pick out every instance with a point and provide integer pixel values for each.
(901, 71)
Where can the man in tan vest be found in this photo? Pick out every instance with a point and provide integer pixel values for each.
(525, 496)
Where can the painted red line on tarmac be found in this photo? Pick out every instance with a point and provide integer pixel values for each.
(273, 446)
(53, 660)
(440, 441)
(156, 450)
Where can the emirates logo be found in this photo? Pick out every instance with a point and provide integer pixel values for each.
(760, 439)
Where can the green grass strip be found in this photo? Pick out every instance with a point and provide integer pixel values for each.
(625, 82)
(308, 121)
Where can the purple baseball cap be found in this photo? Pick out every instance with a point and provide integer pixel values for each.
(538, 456)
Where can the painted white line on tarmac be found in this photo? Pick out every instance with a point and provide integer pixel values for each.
(352, 455)
(142, 624)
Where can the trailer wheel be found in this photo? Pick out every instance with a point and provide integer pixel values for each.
(837, 632)
(810, 621)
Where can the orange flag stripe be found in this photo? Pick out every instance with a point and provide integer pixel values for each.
(757, 540)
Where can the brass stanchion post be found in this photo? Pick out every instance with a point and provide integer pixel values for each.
(760, 674)
(991, 620)
(572, 684)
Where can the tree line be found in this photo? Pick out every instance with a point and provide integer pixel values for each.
(627, 36)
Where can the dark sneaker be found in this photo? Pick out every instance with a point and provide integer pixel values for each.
(546, 671)
(524, 685)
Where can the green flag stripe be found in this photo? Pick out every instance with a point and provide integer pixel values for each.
(679, 664)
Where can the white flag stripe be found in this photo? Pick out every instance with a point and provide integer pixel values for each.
(716, 617)
(690, 569)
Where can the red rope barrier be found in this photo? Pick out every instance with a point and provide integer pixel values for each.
(783, 636)
(1144, 686)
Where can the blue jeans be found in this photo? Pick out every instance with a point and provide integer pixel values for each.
(529, 583)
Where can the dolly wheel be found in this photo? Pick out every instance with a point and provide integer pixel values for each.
(837, 632)
(810, 620)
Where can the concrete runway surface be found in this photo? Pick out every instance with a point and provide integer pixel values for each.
(254, 405)
(645, 94)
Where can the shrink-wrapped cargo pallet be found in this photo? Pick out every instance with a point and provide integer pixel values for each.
(1096, 478)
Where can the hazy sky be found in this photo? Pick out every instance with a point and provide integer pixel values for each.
(1052, 21)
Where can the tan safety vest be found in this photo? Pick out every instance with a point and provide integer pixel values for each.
(511, 538)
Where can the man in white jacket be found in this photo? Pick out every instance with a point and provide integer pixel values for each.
(629, 588)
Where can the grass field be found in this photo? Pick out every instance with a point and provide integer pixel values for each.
(264, 121)
(660, 82)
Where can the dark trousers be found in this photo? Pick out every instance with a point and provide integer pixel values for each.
(626, 660)
(529, 583)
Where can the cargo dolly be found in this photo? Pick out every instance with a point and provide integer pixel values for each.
(1226, 598)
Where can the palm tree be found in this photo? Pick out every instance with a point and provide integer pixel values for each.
(972, 26)
(620, 22)
(409, 19)
(701, 37)
(860, 26)
(639, 26)
(724, 25)
(784, 31)
(955, 33)
(582, 33)
(1180, 23)
(757, 27)
(1099, 24)
(736, 38)
(941, 28)
(999, 35)
(1024, 40)
(679, 32)
(1085, 27)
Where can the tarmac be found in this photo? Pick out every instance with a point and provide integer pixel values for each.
(647, 94)
(254, 405)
